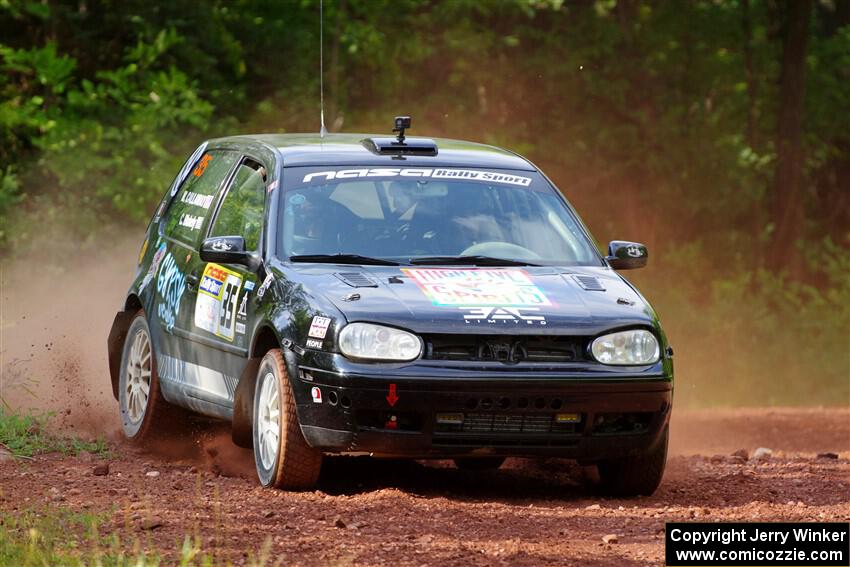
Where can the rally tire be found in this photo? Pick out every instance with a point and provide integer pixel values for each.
(635, 476)
(145, 415)
(281, 454)
(479, 463)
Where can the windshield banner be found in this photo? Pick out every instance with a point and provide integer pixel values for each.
(433, 173)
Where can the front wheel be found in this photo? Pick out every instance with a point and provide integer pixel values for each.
(634, 476)
(145, 415)
(282, 456)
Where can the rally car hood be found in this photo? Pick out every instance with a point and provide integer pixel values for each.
(529, 300)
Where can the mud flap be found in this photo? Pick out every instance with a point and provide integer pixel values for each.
(115, 345)
(243, 405)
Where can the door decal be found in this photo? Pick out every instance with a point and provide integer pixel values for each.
(202, 381)
(170, 283)
(242, 313)
(215, 308)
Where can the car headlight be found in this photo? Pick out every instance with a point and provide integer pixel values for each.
(626, 348)
(376, 342)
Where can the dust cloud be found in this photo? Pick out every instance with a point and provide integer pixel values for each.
(204, 443)
(54, 321)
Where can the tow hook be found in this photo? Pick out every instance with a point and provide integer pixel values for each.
(293, 347)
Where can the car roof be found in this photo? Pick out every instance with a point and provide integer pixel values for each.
(347, 149)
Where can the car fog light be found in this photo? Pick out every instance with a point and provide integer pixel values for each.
(450, 418)
(567, 417)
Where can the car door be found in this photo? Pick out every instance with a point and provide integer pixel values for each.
(220, 303)
(181, 231)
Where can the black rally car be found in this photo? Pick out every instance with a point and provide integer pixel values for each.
(400, 297)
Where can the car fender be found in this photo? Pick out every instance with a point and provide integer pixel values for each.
(282, 324)
(243, 405)
(115, 344)
(264, 337)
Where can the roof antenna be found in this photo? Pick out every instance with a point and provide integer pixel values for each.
(322, 130)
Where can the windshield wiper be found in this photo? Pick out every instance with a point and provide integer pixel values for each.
(342, 259)
(470, 261)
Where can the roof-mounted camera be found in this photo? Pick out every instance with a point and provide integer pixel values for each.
(402, 123)
(400, 146)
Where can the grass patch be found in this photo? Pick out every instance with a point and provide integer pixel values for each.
(48, 537)
(27, 435)
(60, 536)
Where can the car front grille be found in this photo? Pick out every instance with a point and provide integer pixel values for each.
(507, 349)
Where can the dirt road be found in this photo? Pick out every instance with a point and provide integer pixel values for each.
(370, 512)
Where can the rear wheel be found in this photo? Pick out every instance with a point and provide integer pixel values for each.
(282, 456)
(145, 415)
(638, 475)
(479, 464)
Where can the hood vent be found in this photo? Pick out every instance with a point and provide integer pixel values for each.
(589, 283)
(356, 279)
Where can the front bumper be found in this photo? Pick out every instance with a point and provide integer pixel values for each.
(583, 419)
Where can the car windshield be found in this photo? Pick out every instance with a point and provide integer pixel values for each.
(427, 216)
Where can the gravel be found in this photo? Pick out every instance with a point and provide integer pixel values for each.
(388, 512)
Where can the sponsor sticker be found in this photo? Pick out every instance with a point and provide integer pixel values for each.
(184, 173)
(202, 201)
(155, 261)
(170, 285)
(215, 307)
(192, 222)
(242, 313)
(221, 245)
(438, 173)
(202, 165)
(510, 287)
(504, 315)
(261, 291)
(314, 343)
(319, 327)
(243, 307)
(316, 393)
(143, 251)
(160, 210)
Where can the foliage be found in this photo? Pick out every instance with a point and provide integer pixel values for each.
(9, 195)
(128, 117)
(27, 435)
(110, 141)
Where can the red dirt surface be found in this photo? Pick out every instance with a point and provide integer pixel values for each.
(371, 512)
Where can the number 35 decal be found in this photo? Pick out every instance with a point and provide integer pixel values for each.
(218, 293)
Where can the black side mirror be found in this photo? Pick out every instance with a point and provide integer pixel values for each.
(229, 250)
(624, 255)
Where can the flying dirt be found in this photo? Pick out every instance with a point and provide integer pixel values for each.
(367, 511)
